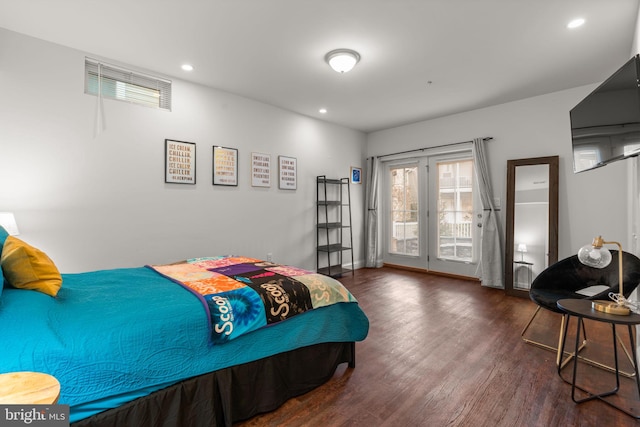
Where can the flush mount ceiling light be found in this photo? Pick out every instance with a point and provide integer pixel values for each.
(187, 67)
(342, 60)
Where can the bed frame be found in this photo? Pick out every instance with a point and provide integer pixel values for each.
(232, 394)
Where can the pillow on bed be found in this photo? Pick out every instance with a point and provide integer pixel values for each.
(26, 267)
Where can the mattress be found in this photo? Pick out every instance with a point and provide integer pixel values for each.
(115, 335)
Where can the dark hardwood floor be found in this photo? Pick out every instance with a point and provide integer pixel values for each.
(448, 352)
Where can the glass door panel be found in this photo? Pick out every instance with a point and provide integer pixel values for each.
(405, 213)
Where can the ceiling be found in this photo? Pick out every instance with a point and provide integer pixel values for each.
(421, 59)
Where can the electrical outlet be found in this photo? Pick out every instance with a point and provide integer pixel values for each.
(269, 257)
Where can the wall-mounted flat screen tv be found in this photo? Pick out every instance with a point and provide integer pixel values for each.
(605, 126)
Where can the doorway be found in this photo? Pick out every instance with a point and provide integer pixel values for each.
(430, 214)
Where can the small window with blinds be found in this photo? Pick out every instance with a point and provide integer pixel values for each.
(126, 85)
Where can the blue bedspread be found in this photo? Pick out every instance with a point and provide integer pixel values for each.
(115, 335)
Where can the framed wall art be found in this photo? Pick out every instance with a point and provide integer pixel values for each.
(356, 175)
(179, 162)
(225, 166)
(260, 170)
(287, 172)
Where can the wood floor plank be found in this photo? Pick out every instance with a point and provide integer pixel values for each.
(448, 352)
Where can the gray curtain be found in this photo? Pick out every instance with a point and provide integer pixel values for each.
(490, 265)
(371, 218)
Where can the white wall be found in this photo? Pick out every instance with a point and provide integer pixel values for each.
(634, 176)
(591, 203)
(635, 45)
(93, 203)
(634, 190)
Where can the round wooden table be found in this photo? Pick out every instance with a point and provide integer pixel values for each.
(28, 388)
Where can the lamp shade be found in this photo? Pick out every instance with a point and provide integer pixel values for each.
(522, 247)
(594, 257)
(8, 221)
(342, 60)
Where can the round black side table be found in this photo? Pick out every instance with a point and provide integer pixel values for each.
(581, 308)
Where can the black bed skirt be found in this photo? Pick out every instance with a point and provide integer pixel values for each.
(232, 394)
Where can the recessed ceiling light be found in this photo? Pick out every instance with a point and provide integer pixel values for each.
(187, 67)
(322, 111)
(575, 23)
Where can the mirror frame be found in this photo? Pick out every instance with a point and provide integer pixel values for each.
(553, 162)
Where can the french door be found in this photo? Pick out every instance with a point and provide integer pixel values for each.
(431, 214)
(405, 208)
(454, 201)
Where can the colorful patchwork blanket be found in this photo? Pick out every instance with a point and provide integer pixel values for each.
(243, 294)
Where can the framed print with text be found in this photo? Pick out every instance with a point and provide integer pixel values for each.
(260, 170)
(287, 172)
(179, 162)
(225, 166)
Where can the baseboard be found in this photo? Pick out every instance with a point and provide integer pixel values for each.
(435, 273)
(355, 266)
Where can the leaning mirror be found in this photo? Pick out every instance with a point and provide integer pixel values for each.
(532, 221)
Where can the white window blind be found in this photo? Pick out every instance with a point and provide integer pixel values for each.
(126, 85)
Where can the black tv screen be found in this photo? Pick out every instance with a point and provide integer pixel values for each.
(605, 126)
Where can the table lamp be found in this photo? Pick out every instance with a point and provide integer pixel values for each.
(596, 255)
(522, 248)
(8, 221)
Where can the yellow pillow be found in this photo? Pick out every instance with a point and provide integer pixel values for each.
(26, 267)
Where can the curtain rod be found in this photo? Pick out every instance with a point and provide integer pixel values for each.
(429, 148)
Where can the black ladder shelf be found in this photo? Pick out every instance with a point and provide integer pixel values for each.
(334, 237)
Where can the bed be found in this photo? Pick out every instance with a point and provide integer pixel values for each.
(144, 346)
